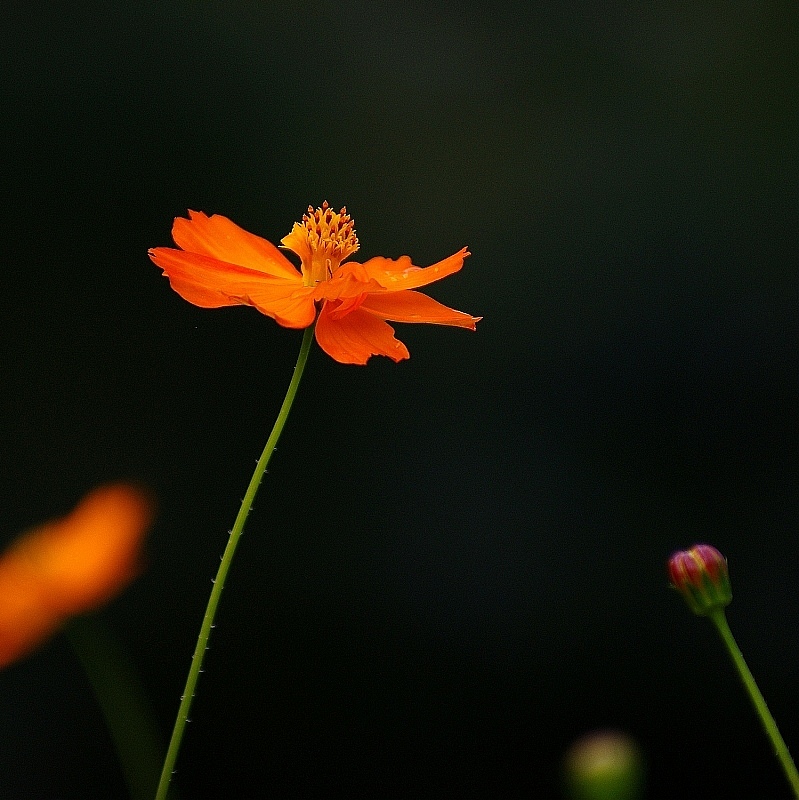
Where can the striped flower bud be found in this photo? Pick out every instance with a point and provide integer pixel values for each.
(700, 575)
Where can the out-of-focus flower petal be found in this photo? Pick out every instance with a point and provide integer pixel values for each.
(353, 338)
(411, 306)
(88, 556)
(70, 565)
(26, 618)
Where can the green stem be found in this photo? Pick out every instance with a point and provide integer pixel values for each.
(224, 566)
(720, 621)
(119, 693)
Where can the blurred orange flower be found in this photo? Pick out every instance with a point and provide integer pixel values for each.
(70, 565)
(221, 264)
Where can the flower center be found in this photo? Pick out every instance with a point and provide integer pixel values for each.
(322, 240)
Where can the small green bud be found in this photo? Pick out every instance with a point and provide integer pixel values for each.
(605, 765)
(700, 575)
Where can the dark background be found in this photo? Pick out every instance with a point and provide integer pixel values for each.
(456, 564)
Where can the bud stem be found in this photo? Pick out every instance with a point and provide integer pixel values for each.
(128, 715)
(719, 619)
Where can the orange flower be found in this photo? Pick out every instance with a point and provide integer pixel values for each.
(70, 565)
(220, 264)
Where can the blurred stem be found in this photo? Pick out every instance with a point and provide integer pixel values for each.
(719, 619)
(123, 702)
(224, 566)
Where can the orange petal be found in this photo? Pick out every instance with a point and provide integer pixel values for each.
(70, 565)
(220, 238)
(210, 283)
(297, 242)
(349, 280)
(26, 618)
(402, 274)
(90, 555)
(202, 280)
(345, 306)
(416, 307)
(352, 339)
(289, 305)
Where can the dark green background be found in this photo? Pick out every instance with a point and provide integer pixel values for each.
(456, 564)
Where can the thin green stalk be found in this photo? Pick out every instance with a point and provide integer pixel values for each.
(224, 566)
(781, 749)
(122, 700)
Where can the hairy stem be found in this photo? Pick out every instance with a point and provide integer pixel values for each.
(224, 566)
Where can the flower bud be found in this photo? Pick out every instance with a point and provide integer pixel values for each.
(604, 765)
(700, 575)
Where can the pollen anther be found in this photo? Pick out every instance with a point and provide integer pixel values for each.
(330, 234)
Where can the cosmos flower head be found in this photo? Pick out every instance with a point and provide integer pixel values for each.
(217, 263)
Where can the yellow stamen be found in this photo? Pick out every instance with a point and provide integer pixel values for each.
(322, 240)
